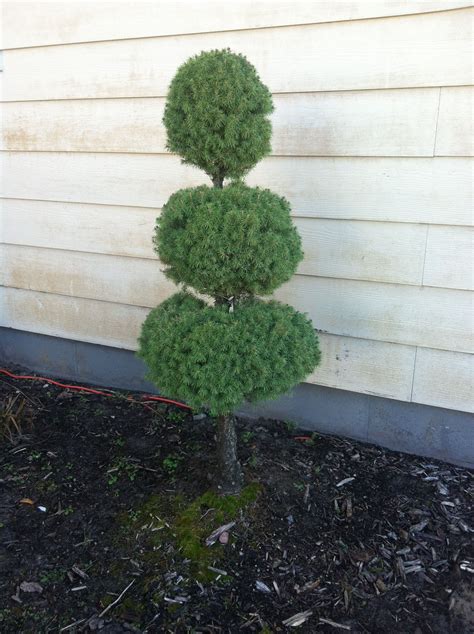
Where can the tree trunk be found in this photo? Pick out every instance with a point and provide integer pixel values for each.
(218, 181)
(230, 474)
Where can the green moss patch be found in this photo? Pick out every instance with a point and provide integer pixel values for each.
(165, 529)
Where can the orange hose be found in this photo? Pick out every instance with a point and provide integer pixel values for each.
(89, 390)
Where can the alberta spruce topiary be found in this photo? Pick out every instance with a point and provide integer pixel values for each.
(232, 243)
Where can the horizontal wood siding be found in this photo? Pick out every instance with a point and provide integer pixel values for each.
(372, 146)
(430, 49)
(443, 378)
(423, 316)
(41, 23)
(449, 257)
(424, 190)
(401, 123)
(348, 363)
(432, 317)
(333, 248)
(369, 367)
(454, 136)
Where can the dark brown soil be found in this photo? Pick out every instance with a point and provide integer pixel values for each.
(100, 493)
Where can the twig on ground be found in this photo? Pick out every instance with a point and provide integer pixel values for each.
(117, 600)
(71, 625)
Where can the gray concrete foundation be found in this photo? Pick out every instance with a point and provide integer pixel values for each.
(408, 427)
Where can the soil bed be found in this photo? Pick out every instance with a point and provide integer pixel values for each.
(106, 504)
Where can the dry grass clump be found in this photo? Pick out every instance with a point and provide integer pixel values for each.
(16, 418)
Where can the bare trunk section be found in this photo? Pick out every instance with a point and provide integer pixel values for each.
(218, 181)
(230, 474)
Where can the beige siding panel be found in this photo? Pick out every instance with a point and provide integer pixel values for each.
(359, 123)
(40, 23)
(364, 366)
(431, 49)
(428, 317)
(365, 123)
(103, 229)
(449, 257)
(88, 320)
(455, 134)
(333, 248)
(444, 379)
(361, 250)
(112, 179)
(370, 367)
(389, 189)
(135, 281)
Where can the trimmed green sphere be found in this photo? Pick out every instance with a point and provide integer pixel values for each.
(216, 114)
(210, 357)
(231, 241)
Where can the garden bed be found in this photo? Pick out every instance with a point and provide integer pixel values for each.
(106, 504)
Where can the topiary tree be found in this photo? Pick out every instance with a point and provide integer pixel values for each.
(233, 244)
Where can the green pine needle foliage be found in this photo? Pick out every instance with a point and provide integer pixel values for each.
(208, 356)
(237, 240)
(225, 242)
(216, 114)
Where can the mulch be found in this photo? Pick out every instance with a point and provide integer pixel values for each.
(343, 536)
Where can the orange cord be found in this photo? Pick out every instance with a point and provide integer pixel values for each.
(89, 390)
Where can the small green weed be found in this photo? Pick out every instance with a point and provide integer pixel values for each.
(247, 436)
(122, 467)
(171, 463)
(290, 426)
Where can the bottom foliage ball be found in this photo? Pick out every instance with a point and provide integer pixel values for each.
(210, 357)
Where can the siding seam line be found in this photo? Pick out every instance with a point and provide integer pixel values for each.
(424, 256)
(437, 121)
(273, 92)
(293, 215)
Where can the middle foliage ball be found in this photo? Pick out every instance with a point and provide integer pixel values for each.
(237, 240)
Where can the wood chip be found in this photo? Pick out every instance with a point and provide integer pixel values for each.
(80, 573)
(30, 586)
(339, 626)
(311, 585)
(298, 619)
(213, 537)
(345, 481)
(262, 587)
(349, 507)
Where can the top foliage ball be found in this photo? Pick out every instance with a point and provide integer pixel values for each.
(216, 114)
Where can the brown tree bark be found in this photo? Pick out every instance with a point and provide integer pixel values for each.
(229, 476)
